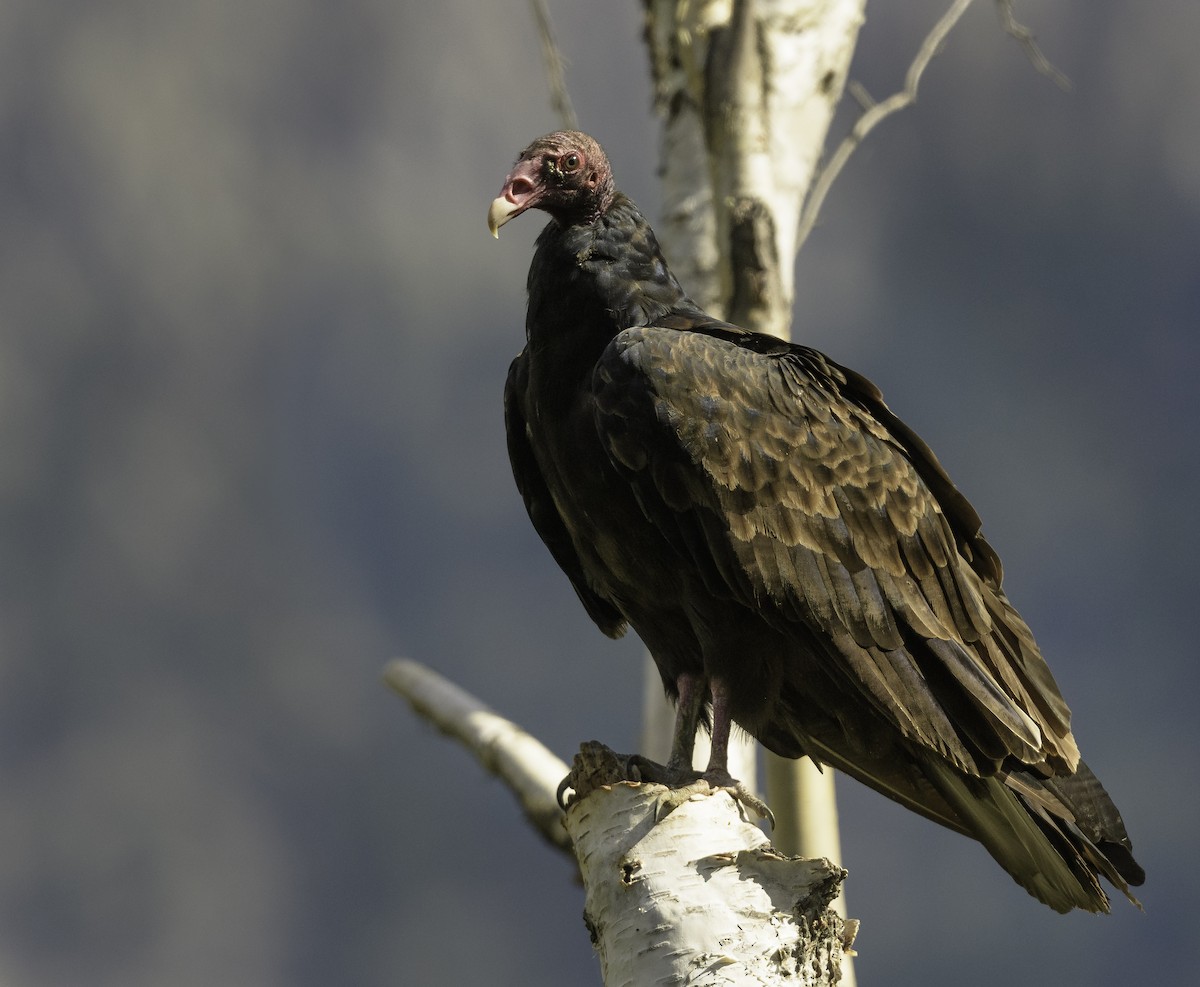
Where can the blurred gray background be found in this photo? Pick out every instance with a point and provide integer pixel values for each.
(253, 336)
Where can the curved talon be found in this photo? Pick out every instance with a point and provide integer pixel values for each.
(743, 795)
(722, 781)
(560, 793)
(633, 767)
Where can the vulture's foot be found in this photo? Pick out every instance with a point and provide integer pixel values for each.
(722, 781)
(685, 783)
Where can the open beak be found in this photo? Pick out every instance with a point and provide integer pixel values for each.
(521, 191)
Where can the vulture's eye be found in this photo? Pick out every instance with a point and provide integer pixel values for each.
(570, 161)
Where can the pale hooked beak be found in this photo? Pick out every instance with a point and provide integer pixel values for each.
(500, 212)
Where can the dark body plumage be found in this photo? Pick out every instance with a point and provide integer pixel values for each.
(775, 534)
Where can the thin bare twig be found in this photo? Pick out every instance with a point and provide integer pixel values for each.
(1024, 37)
(560, 99)
(873, 116)
(860, 95)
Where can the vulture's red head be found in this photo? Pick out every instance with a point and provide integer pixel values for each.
(565, 174)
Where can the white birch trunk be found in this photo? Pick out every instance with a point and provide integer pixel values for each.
(683, 890)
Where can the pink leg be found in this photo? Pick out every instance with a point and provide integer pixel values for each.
(717, 772)
(687, 717)
(721, 723)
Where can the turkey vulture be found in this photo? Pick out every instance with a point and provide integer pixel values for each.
(792, 554)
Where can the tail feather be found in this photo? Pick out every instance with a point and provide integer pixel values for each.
(1099, 828)
(1023, 839)
(1056, 837)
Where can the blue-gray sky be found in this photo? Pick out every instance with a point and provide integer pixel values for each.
(253, 336)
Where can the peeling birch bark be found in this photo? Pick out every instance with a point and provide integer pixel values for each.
(682, 889)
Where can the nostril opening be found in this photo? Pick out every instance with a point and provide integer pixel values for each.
(520, 187)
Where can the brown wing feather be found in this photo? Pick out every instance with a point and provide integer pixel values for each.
(789, 483)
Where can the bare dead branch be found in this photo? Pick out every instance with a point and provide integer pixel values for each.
(515, 757)
(1024, 37)
(560, 99)
(873, 116)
